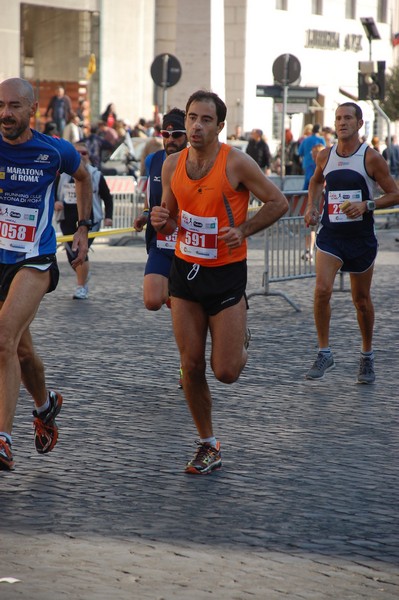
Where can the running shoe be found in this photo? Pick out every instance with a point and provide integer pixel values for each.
(46, 430)
(6, 458)
(323, 363)
(366, 370)
(206, 459)
(81, 293)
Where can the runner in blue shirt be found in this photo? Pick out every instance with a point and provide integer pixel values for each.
(160, 248)
(29, 162)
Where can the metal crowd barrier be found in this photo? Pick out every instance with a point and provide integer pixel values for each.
(284, 249)
(128, 196)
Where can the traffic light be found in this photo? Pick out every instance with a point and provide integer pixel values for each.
(371, 80)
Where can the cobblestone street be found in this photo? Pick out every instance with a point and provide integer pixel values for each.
(306, 504)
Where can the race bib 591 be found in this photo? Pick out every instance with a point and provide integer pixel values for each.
(199, 236)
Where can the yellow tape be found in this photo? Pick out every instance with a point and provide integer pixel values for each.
(106, 232)
(379, 211)
(93, 234)
(386, 211)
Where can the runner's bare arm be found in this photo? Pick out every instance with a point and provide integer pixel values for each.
(84, 200)
(378, 168)
(140, 221)
(242, 170)
(316, 186)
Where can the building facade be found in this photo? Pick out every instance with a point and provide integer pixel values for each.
(230, 46)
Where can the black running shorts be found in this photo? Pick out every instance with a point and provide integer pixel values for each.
(42, 263)
(357, 254)
(215, 288)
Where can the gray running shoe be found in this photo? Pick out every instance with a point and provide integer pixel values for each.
(366, 370)
(321, 365)
(81, 293)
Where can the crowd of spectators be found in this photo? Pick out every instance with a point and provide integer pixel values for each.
(102, 134)
(108, 131)
(297, 152)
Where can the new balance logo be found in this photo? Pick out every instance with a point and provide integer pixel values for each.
(42, 158)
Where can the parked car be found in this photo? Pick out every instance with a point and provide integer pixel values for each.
(125, 159)
(240, 144)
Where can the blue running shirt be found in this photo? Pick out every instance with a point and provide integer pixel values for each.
(27, 175)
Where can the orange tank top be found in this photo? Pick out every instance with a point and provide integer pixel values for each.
(205, 206)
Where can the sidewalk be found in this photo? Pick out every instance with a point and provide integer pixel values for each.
(306, 504)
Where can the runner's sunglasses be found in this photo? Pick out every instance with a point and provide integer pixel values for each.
(176, 133)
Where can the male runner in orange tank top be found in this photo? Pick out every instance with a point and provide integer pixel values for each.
(205, 193)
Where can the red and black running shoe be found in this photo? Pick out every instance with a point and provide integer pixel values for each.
(46, 430)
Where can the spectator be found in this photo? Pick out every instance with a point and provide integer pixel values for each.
(307, 131)
(292, 161)
(50, 129)
(140, 129)
(238, 134)
(120, 130)
(310, 236)
(391, 155)
(259, 150)
(59, 109)
(97, 146)
(305, 150)
(328, 135)
(72, 131)
(109, 116)
(108, 133)
(375, 143)
(83, 112)
(154, 144)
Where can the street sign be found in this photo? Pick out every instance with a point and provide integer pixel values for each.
(295, 93)
(166, 70)
(292, 108)
(286, 69)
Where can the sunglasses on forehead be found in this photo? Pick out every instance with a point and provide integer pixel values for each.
(176, 133)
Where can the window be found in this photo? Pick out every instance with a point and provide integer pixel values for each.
(382, 11)
(317, 7)
(281, 4)
(350, 9)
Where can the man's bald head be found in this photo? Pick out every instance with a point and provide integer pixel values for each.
(17, 107)
(22, 87)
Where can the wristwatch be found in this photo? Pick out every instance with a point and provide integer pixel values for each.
(370, 205)
(85, 223)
